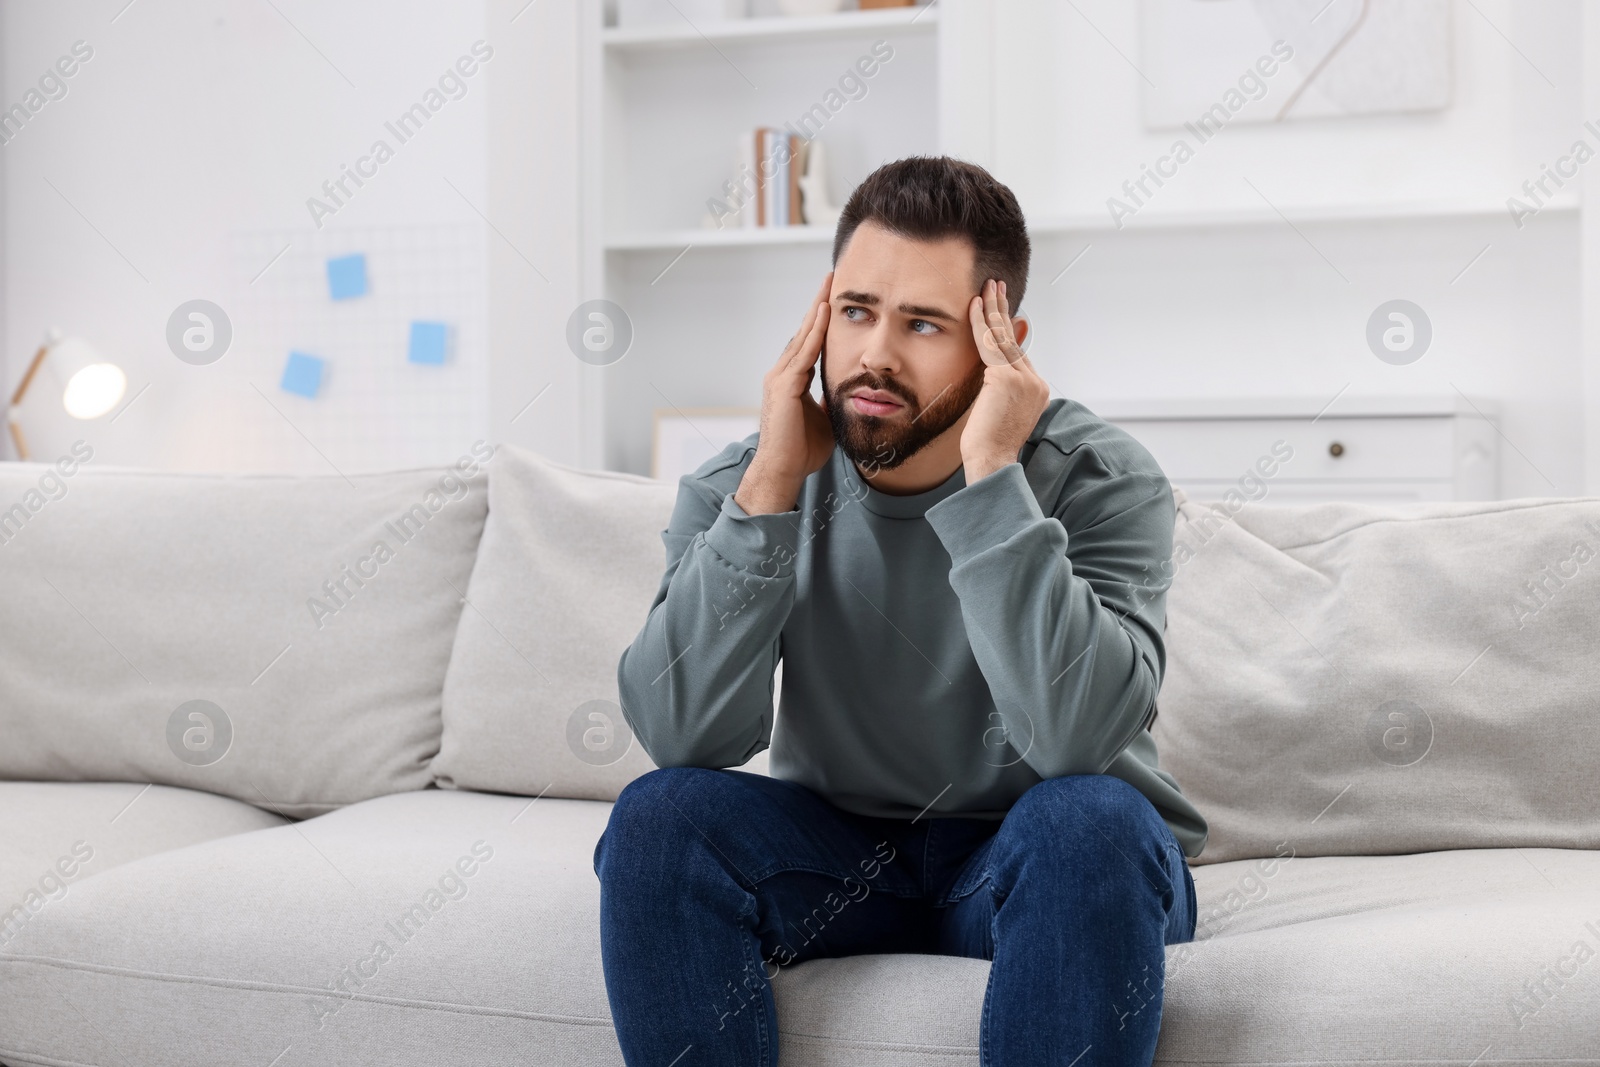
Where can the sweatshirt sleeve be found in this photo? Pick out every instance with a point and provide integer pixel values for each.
(696, 683)
(1067, 630)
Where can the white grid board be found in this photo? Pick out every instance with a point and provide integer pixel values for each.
(375, 409)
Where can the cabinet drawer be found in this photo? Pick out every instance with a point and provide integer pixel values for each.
(1368, 449)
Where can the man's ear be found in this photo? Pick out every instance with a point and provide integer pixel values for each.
(1020, 327)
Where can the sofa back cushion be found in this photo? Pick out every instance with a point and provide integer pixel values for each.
(1353, 679)
(568, 566)
(277, 639)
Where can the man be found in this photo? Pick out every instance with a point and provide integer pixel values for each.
(966, 581)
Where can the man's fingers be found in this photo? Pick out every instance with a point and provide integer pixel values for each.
(1005, 337)
(801, 357)
(988, 350)
(808, 323)
(992, 329)
(819, 330)
(1012, 349)
(811, 310)
(797, 342)
(821, 298)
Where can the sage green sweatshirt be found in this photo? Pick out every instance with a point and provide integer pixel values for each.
(942, 652)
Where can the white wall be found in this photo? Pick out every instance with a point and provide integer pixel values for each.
(536, 135)
(194, 125)
(1256, 310)
(1589, 276)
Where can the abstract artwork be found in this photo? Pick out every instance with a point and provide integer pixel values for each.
(1277, 60)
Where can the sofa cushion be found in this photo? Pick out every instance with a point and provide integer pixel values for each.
(568, 566)
(189, 629)
(1396, 960)
(272, 949)
(1354, 679)
(55, 834)
(1264, 894)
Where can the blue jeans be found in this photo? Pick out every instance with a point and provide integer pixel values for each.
(710, 880)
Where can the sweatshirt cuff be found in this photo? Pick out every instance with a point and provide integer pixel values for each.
(986, 513)
(761, 544)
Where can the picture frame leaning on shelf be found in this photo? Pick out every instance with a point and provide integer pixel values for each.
(684, 438)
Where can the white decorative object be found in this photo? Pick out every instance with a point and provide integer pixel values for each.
(809, 7)
(818, 209)
(633, 13)
(1346, 57)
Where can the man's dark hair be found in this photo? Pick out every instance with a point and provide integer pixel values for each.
(928, 198)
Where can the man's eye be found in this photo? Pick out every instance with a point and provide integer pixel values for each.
(849, 310)
(916, 323)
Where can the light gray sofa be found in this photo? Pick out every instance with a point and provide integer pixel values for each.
(373, 845)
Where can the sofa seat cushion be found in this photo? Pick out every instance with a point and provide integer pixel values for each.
(1251, 896)
(250, 948)
(295, 942)
(1402, 959)
(53, 835)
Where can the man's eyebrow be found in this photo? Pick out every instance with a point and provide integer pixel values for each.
(855, 296)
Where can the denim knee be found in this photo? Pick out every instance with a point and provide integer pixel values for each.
(1091, 808)
(649, 807)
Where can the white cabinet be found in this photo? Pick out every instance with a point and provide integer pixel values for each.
(1291, 450)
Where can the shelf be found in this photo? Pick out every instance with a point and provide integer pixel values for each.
(767, 30)
(1100, 222)
(731, 237)
(1346, 406)
(1060, 225)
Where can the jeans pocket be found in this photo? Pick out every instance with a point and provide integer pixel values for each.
(1186, 928)
(1194, 904)
(974, 873)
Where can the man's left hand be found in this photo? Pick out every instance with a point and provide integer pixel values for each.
(1013, 395)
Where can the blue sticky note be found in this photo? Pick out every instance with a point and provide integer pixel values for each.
(347, 277)
(302, 374)
(427, 342)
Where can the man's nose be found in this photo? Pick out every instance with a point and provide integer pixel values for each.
(879, 355)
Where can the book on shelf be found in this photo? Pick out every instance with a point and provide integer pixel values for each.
(775, 160)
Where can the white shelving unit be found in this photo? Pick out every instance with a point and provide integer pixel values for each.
(1566, 205)
(845, 24)
(648, 241)
(660, 111)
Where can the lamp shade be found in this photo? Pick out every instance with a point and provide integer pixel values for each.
(68, 371)
(88, 385)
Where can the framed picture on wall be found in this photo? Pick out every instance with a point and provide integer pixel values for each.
(1228, 61)
(687, 437)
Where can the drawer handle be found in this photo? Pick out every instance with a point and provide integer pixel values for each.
(1336, 450)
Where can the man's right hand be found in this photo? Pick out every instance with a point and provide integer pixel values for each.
(796, 436)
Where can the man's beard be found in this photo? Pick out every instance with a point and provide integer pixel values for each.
(876, 442)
